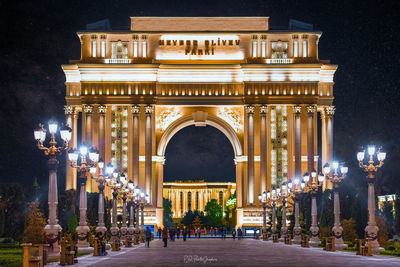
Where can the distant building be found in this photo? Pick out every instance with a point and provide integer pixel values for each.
(194, 195)
(386, 198)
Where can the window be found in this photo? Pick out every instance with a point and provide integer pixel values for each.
(119, 49)
(94, 43)
(279, 49)
(295, 47)
(189, 200)
(305, 47)
(197, 200)
(221, 198)
(181, 201)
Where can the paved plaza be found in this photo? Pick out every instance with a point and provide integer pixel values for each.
(247, 252)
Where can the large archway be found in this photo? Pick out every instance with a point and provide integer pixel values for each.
(199, 119)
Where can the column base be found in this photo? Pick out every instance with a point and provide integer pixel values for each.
(296, 239)
(339, 244)
(314, 241)
(52, 233)
(82, 232)
(160, 217)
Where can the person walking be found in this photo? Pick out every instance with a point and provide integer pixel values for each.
(159, 233)
(239, 233)
(165, 236)
(172, 234)
(234, 233)
(212, 231)
(178, 233)
(198, 232)
(148, 236)
(184, 233)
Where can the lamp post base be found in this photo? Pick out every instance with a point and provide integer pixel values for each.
(314, 241)
(82, 232)
(339, 244)
(52, 236)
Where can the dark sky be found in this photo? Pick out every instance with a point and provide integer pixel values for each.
(362, 37)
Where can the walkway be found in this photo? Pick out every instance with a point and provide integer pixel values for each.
(247, 252)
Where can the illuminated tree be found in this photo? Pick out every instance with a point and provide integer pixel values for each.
(34, 225)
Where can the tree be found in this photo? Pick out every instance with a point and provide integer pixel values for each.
(387, 213)
(167, 218)
(349, 230)
(213, 213)
(34, 225)
(383, 235)
(72, 223)
(397, 215)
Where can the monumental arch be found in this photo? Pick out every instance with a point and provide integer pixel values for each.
(132, 90)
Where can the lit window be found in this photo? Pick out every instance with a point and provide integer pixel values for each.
(197, 200)
(279, 49)
(94, 46)
(295, 47)
(305, 47)
(189, 200)
(221, 198)
(119, 49)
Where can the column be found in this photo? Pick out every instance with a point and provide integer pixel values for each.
(135, 46)
(88, 109)
(135, 142)
(71, 173)
(297, 141)
(310, 137)
(337, 229)
(148, 148)
(250, 153)
(329, 112)
(314, 229)
(284, 227)
(144, 46)
(297, 227)
(263, 148)
(371, 231)
(263, 46)
(102, 109)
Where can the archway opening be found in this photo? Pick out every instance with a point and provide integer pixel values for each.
(199, 176)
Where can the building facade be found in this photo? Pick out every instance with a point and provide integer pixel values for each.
(265, 89)
(194, 195)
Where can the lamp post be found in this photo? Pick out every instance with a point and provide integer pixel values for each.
(335, 176)
(52, 229)
(296, 187)
(101, 228)
(272, 198)
(115, 186)
(124, 191)
(263, 199)
(84, 170)
(313, 188)
(371, 231)
(131, 228)
(285, 191)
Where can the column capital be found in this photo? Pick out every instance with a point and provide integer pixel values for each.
(250, 109)
(68, 110)
(88, 109)
(135, 38)
(311, 109)
(149, 109)
(135, 109)
(263, 110)
(102, 109)
(330, 111)
(297, 110)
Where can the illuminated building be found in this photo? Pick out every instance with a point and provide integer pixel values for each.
(265, 89)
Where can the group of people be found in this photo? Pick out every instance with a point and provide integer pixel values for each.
(171, 233)
(223, 232)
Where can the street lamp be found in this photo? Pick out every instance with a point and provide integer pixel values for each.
(313, 188)
(263, 199)
(88, 159)
(52, 228)
(124, 192)
(285, 191)
(371, 231)
(296, 187)
(336, 175)
(101, 180)
(115, 185)
(273, 198)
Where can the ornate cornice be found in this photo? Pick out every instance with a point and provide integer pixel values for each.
(263, 110)
(311, 109)
(88, 109)
(68, 110)
(250, 109)
(330, 111)
(135, 109)
(102, 109)
(297, 110)
(149, 109)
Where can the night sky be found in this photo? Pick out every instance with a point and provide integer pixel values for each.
(362, 37)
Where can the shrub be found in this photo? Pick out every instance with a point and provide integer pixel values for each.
(349, 230)
(34, 224)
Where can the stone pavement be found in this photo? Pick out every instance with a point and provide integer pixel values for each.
(247, 252)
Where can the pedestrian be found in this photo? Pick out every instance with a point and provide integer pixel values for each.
(159, 233)
(211, 231)
(216, 231)
(199, 232)
(178, 233)
(172, 234)
(148, 236)
(234, 233)
(165, 236)
(184, 233)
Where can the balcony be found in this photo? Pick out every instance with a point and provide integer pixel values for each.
(279, 60)
(118, 60)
